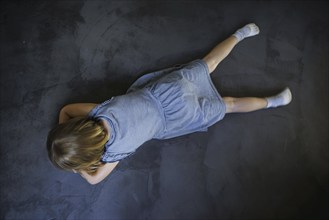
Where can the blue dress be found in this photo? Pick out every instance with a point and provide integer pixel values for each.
(160, 105)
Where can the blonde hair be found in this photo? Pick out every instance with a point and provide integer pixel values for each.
(77, 144)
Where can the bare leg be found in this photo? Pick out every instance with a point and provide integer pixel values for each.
(247, 104)
(221, 51)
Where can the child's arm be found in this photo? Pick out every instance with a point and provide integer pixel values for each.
(101, 174)
(75, 110)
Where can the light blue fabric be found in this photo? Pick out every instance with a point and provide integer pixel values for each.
(160, 105)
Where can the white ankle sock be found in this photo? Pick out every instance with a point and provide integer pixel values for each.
(246, 31)
(283, 98)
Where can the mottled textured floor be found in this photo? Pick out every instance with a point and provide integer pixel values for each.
(269, 164)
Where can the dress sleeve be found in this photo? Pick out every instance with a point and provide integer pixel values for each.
(94, 111)
(114, 157)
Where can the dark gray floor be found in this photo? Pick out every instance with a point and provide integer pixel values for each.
(269, 164)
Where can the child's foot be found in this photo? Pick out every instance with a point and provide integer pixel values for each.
(283, 98)
(246, 31)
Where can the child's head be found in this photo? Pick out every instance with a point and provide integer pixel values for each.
(77, 145)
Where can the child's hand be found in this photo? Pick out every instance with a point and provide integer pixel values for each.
(75, 110)
(102, 172)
